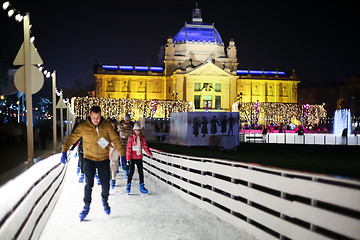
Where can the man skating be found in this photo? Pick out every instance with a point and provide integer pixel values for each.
(96, 134)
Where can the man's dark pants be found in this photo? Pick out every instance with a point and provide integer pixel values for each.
(104, 176)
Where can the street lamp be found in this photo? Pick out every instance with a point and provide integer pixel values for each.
(53, 75)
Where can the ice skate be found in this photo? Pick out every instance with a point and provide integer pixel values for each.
(112, 184)
(84, 212)
(143, 190)
(128, 187)
(107, 208)
(97, 178)
(81, 179)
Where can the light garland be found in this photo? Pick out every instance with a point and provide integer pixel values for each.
(19, 17)
(136, 108)
(6, 6)
(279, 113)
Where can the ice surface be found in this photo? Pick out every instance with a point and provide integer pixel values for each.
(159, 215)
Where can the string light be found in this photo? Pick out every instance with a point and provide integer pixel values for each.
(5, 5)
(136, 108)
(279, 113)
(260, 113)
(11, 12)
(19, 17)
(47, 73)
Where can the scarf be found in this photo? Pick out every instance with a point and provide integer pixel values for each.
(138, 144)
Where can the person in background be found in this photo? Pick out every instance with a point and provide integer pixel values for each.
(80, 153)
(125, 128)
(135, 144)
(114, 156)
(96, 134)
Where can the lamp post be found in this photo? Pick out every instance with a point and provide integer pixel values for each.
(61, 116)
(29, 113)
(54, 109)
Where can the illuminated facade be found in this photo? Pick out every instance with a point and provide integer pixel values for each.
(197, 70)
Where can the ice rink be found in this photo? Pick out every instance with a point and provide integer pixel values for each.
(159, 215)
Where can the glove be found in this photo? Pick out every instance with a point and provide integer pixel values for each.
(64, 157)
(128, 162)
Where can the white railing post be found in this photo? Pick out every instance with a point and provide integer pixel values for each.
(283, 196)
(314, 204)
(203, 163)
(249, 185)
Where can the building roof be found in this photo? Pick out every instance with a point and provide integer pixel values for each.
(198, 32)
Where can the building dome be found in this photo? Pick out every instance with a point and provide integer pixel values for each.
(198, 32)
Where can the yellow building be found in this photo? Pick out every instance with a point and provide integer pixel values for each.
(198, 70)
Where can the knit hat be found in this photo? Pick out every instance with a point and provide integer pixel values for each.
(137, 126)
(127, 117)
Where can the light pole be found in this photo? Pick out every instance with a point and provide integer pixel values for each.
(54, 108)
(29, 113)
(61, 101)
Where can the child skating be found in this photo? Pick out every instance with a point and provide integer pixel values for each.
(114, 164)
(136, 142)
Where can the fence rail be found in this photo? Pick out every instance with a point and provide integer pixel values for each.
(294, 138)
(27, 201)
(268, 203)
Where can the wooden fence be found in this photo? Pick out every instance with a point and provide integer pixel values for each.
(27, 201)
(268, 203)
(294, 138)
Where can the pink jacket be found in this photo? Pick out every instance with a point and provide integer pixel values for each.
(130, 154)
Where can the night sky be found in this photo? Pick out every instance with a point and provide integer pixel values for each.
(316, 38)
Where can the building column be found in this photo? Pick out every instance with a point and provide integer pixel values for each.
(276, 91)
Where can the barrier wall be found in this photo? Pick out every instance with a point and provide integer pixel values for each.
(268, 203)
(27, 201)
(294, 138)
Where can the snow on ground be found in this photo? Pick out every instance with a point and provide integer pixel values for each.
(159, 215)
